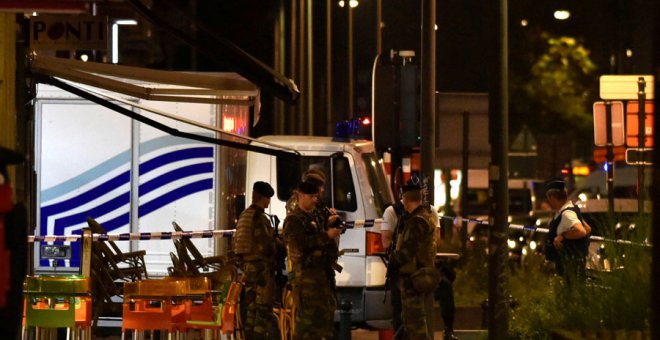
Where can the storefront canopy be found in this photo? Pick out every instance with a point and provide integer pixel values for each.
(212, 88)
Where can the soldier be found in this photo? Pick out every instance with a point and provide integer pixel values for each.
(310, 267)
(257, 247)
(414, 257)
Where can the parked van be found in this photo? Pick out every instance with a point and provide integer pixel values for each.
(594, 186)
(357, 188)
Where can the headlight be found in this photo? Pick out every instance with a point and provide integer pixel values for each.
(532, 245)
(511, 243)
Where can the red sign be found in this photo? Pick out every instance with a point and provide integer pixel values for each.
(600, 154)
(600, 124)
(632, 124)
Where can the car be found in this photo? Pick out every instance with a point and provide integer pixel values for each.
(614, 235)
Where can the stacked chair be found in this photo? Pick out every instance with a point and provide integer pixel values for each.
(110, 270)
(180, 305)
(218, 312)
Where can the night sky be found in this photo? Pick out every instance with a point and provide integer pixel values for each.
(606, 27)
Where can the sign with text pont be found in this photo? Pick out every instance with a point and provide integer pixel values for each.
(600, 124)
(69, 32)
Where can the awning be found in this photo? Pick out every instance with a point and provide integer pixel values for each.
(154, 85)
(148, 84)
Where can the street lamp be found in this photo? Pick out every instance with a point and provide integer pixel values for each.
(115, 37)
(562, 14)
(351, 4)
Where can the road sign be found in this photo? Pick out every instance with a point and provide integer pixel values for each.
(600, 154)
(632, 124)
(600, 124)
(615, 87)
(639, 156)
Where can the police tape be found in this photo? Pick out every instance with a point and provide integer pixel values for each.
(459, 220)
(157, 235)
(175, 235)
(363, 223)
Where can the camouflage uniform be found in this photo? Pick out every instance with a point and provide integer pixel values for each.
(415, 249)
(255, 244)
(311, 275)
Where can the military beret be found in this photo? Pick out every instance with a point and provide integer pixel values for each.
(555, 185)
(263, 189)
(308, 188)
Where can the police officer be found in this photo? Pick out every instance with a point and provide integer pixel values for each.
(310, 267)
(414, 257)
(567, 244)
(393, 218)
(255, 245)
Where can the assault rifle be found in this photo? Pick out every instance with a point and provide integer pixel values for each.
(280, 253)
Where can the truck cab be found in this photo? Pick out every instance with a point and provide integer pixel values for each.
(357, 188)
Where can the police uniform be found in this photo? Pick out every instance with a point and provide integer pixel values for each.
(414, 256)
(570, 260)
(255, 244)
(310, 272)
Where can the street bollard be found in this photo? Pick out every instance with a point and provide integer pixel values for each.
(345, 308)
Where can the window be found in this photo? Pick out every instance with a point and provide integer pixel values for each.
(341, 180)
(343, 189)
(377, 182)
(289, 173)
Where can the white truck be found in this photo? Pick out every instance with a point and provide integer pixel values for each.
(132, 177)
(357, 188)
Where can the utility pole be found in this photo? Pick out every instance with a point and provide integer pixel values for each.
(498, 304)
(350, 63)
(428, 96)
(328, 67)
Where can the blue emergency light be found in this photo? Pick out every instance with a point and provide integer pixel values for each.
(356, 128)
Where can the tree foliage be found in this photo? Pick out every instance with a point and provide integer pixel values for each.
(552, 83)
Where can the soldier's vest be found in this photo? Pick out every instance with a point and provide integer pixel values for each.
(425, 254)
(253, 239)
(297, 259)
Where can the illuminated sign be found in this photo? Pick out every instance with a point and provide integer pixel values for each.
(69, 32)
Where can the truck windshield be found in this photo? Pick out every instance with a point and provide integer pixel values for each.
(377, 182)
(290, 173)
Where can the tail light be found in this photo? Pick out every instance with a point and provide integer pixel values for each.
(374, 243)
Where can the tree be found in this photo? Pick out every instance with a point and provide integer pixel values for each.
(553, 84)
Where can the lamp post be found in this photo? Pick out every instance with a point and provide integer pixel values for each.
(351, 4)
